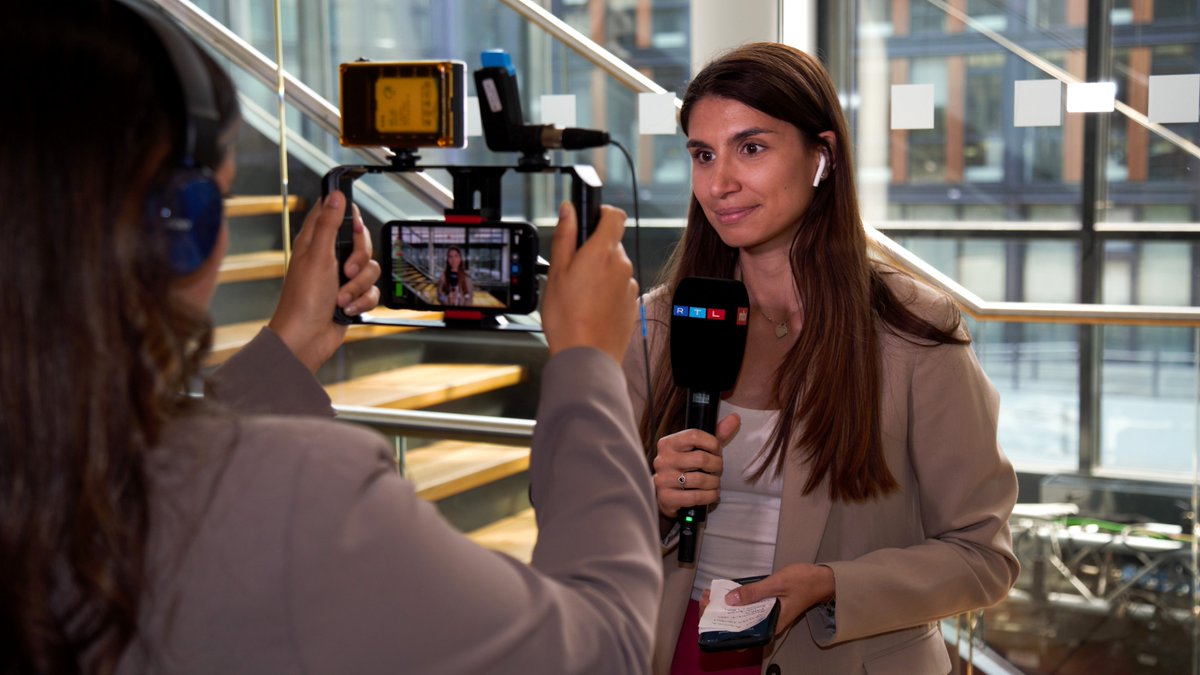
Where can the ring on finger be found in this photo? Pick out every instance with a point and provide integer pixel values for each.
(683, 480)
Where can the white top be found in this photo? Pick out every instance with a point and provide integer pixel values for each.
(739, 537)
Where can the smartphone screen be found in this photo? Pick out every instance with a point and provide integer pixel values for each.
(487, 267)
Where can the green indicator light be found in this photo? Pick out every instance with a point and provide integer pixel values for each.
(688, 518)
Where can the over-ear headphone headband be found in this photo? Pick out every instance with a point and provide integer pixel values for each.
(186, 212)
(201, 118)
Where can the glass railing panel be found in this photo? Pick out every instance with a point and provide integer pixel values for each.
(1148, 379)
(1035, 369)
(1148, 404)
(1107, 559)
(1106, 544)
(996, 267)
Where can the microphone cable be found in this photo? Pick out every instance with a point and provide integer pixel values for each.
(637, 265)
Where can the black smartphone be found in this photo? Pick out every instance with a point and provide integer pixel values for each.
(757, 635)
(486, 267)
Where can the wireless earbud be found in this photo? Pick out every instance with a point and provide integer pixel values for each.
(820, 170)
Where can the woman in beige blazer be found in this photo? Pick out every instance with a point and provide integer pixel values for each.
(855, 461)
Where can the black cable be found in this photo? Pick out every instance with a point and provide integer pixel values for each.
(637, 228)
(637, 264)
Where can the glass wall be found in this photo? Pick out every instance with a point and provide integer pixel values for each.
(1019, 198)
(984, 165)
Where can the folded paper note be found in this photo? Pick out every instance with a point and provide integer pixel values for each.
(720, 616)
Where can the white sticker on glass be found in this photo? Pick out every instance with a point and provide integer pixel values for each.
(912, 106)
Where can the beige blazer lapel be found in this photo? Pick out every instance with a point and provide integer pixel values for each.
(802, 520)
(801, 517)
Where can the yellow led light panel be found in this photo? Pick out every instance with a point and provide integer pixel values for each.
(406, 105)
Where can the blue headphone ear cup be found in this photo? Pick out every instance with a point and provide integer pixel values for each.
(189, 211)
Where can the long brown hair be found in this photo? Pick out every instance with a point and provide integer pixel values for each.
(95, 354)
(835, 425)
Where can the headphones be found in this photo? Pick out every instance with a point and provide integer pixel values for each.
(188, 207)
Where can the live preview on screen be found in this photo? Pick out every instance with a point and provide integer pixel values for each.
(438, 265)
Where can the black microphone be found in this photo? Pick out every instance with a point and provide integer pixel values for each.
(571, 138)
(504, 126)
(709, 322)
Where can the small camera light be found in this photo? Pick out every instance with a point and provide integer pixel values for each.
(404, 104)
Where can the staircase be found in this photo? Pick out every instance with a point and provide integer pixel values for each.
(480, 487)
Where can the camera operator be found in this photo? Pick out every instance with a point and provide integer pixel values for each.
(144, 530)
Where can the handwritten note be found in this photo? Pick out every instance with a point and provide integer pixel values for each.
(720, 616)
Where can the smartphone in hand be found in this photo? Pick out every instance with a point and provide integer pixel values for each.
(757, 635)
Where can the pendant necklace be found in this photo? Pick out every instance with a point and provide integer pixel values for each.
(781, 327)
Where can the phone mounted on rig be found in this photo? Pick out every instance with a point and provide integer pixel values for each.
(472, 265)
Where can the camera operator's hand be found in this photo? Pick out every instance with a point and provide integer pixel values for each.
(591, 296)
(303, 318)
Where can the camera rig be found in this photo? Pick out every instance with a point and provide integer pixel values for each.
(477, 189)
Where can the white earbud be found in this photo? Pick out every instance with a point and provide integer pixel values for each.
(820, 170)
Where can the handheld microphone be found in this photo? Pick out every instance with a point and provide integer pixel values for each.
(709, 322)
(504, 126)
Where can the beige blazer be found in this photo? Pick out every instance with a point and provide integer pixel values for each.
(291, 545)
(938, 546)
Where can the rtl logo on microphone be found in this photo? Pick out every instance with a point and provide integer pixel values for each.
(710, 313)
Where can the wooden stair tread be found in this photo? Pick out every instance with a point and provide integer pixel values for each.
(515, 535)
(251, 266)
(448, 468)
(259, 205)
(424, 385)
(229, 338)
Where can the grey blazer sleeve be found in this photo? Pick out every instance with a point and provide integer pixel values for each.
(265, 378)
(382, 584)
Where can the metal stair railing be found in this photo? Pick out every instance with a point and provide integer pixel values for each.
(1031, 312)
